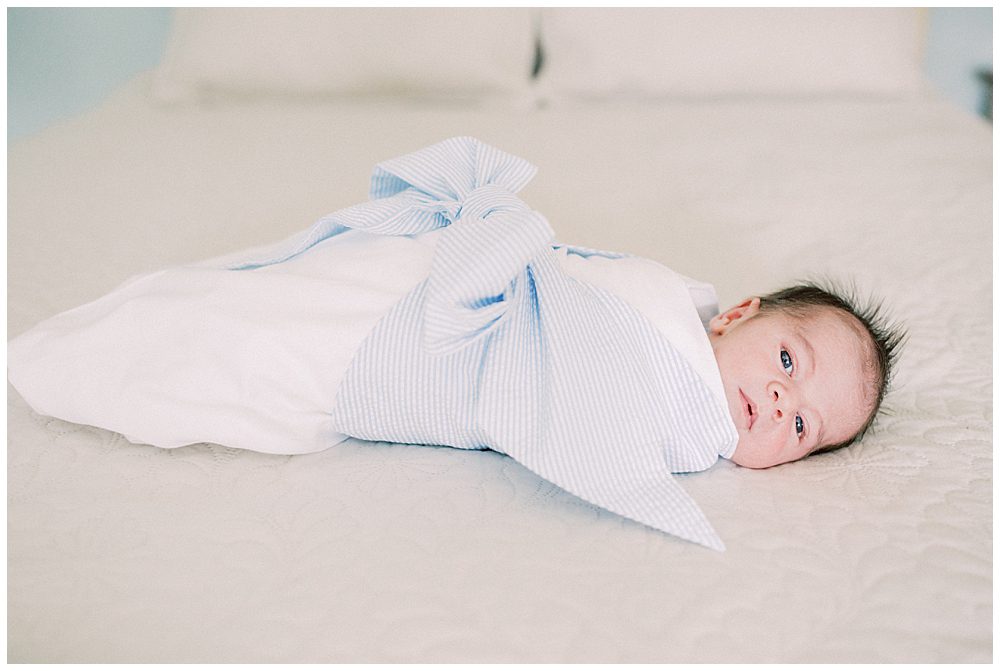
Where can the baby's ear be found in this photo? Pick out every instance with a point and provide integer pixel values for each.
(724, 321)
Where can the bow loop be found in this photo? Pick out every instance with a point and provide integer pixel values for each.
(451, 170)
(419, 192)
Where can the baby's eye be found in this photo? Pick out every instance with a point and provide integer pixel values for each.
(799, 427)
(786, 362)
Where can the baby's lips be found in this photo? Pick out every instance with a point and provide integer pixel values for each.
(749, 410)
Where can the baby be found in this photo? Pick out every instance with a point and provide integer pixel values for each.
(805, 371)
(442, 313)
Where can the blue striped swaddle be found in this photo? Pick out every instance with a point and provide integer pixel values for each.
(499, 348)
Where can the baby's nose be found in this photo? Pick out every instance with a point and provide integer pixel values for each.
(779, 397)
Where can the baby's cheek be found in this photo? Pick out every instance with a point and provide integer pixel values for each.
(743, 454)
(759, 452)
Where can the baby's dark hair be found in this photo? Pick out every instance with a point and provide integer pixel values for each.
(887, 338)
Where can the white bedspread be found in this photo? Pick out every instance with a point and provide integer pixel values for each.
(379, 552)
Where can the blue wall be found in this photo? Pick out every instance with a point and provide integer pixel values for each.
(959, 41)
(61, 61)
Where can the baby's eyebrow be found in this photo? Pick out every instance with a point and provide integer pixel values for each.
(820, 431)
(811, 355)
(807, 346)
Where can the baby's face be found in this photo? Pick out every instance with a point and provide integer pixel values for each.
(793, 385)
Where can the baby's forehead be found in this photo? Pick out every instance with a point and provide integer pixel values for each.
(824, 318)
(832, 330)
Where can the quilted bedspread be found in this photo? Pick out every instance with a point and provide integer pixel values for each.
(379, 552)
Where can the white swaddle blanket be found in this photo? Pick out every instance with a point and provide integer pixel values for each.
(292, 351)
(204, 354)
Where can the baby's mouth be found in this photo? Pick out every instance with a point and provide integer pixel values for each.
(749, 410)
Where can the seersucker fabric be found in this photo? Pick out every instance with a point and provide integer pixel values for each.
(440, 312)
(500, 349)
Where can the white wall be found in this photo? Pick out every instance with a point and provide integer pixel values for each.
(61, 61)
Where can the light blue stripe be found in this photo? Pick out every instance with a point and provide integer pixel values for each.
(499, 348)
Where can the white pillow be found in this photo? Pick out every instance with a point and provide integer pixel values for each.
(657, 52)
(423, 52)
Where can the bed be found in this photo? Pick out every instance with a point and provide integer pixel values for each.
(744, 173)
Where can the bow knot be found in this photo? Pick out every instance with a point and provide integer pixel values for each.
(487, 199)
(469, 179)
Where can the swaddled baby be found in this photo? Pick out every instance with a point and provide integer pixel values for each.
(442, 312)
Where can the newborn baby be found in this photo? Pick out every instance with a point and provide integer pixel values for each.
(805, 371)
(441, 312)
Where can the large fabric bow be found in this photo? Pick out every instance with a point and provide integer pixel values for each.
(419, 192)
(500, 348)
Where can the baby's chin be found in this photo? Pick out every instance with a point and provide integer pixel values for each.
(747, 457)
(740, 459)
